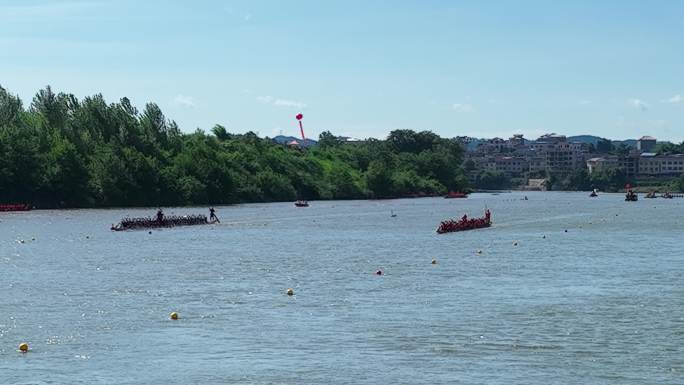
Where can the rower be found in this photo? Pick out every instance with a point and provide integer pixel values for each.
(212, 215)
(160, 216)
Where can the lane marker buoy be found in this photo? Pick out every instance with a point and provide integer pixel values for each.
(434, 261)
(23, 347)
(379, 272)
(289, 292)
(173, 316)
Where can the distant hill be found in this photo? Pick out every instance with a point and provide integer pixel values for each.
(282, 139)
(592, 139)
(589, 139)
(628, 142)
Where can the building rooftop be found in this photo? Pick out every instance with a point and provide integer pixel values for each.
(647, 138)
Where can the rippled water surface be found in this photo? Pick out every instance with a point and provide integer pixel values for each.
(602, 303)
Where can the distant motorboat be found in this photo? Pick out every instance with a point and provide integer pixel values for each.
(301, 203)
(455, 194)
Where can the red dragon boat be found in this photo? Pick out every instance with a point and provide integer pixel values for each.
(16, 207)
(465, 223)
(455, 194)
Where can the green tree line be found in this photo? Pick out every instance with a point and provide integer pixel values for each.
(64, 152)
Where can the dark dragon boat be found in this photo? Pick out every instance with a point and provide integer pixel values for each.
(301, 203)
(465, 223)
(165, 222)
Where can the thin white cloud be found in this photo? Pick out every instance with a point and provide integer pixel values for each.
(638, 103)
(584, 102)
(462, 107)
(280, 102)
(185, 101)
(677, 99)
(265, 99)
(288, 103)
(24, 11)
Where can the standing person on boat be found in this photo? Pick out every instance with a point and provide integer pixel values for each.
(212, 215)
(465, 218)
(160, 216)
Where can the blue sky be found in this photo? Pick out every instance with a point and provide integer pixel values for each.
(363, 68)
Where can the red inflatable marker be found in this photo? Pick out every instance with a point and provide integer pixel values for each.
(301, 128)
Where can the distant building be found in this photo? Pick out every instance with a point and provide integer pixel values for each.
(350, 140)
(601, 164)
(516, 141)
(646, 144)
(561, 156)
(652, 165)
(511, 166)
(629, 163)
(469, 143)
(492, 146)
(537, 163)
(520, 157)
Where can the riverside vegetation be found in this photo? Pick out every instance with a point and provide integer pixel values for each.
(65, 152)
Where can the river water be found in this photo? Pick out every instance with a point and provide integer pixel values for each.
(600, 303)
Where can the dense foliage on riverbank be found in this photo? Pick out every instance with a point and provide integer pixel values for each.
(64, 152)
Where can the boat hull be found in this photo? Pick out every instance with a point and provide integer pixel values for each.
(440, 230)
(15, 207)
(453, 195)
(145, 224)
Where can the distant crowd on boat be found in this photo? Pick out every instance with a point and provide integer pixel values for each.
(165, 221)
(465, 223)
(666, 195)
